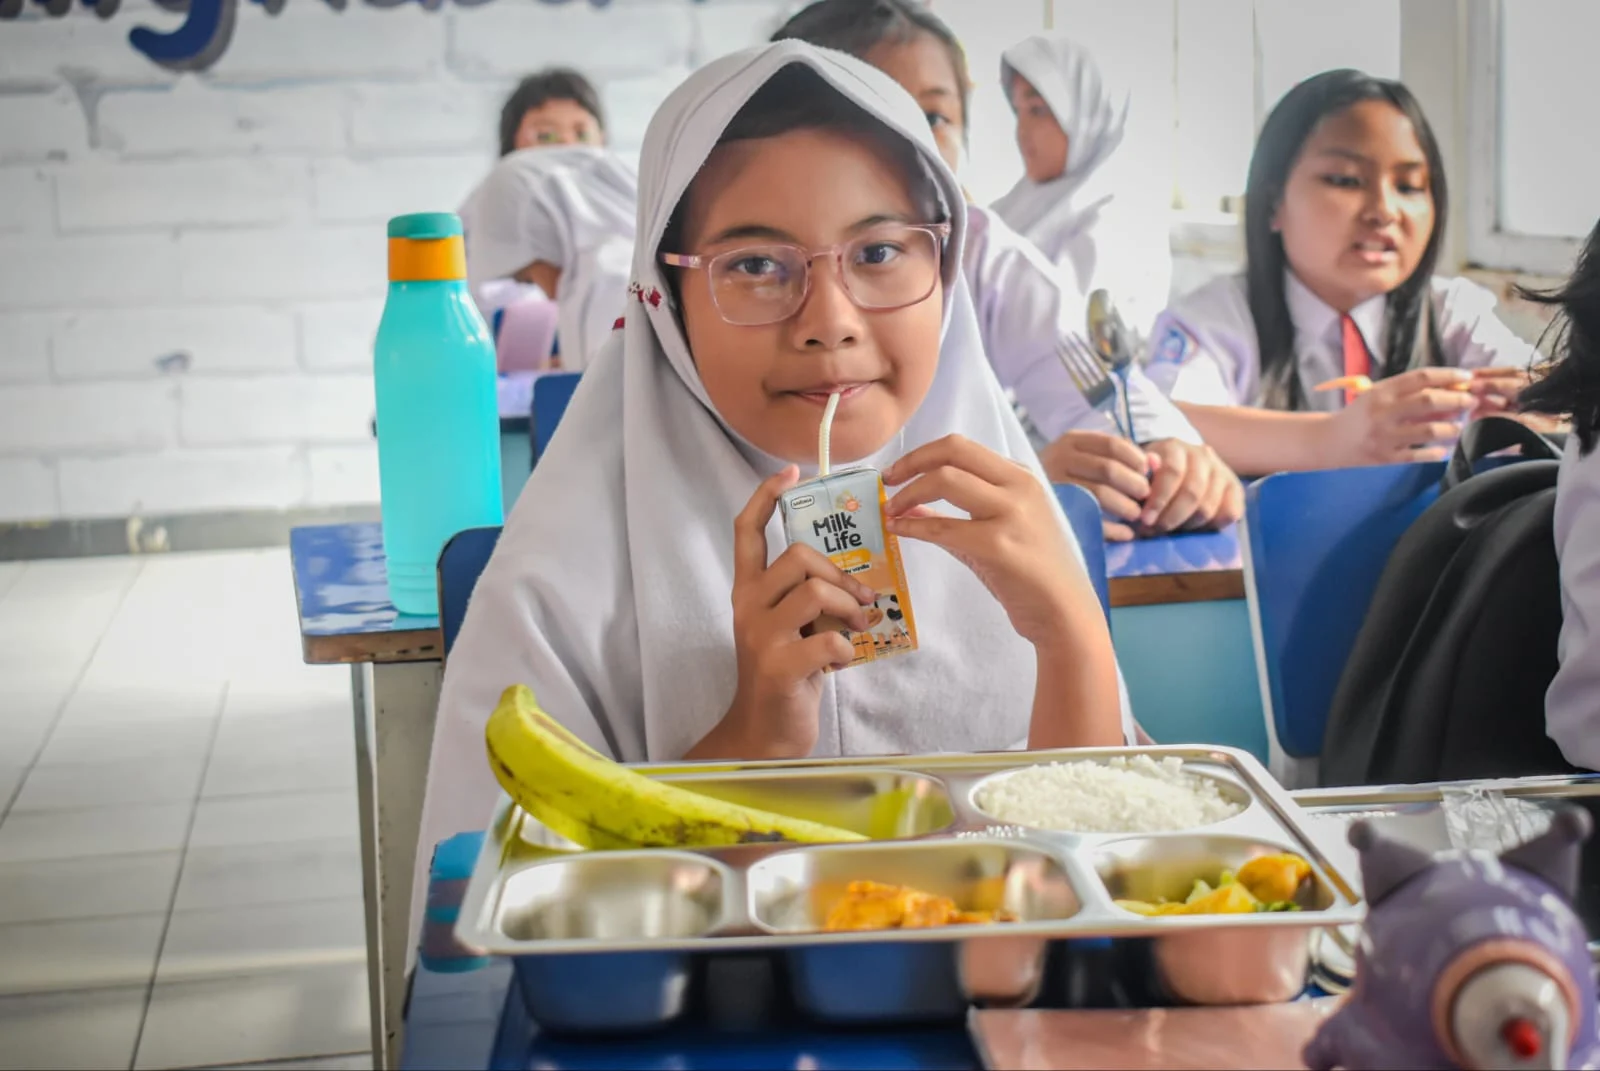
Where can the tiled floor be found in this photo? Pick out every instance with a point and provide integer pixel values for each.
(180, 878)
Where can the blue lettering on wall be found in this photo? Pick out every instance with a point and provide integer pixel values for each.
(207, 28)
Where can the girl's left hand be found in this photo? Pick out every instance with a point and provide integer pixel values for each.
(1013, 541)
(1497, 389)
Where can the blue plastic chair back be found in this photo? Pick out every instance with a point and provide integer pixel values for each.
(1316, 544)
(551, 393)
(1083, 514)
(461, 562)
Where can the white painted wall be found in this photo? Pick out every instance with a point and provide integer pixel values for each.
(237, 217)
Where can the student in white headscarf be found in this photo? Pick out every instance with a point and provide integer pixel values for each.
(1165, 478)
(641, 587)
(563, 219)
(1084, 200)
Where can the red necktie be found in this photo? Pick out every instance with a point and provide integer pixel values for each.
(1357, 361)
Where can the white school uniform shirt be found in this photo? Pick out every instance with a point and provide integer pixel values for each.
(1204, 349)
(1572, 705)
(1024, 305)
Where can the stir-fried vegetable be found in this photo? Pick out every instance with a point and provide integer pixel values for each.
(1267, 883)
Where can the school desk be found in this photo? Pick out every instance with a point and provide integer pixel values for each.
(1182, 633)
(1178, 618)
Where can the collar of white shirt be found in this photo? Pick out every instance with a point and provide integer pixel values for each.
(1316, 320)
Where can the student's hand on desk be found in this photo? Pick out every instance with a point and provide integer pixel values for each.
(775, 706)
(1191, 488)
(1107, 466)
(1407, 417)
(1011, 539)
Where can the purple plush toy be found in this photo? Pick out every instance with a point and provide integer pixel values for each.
(1468, 960)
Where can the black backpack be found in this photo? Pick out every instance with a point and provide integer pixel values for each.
(1447, 677)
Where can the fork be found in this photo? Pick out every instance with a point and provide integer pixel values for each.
(1091, 377)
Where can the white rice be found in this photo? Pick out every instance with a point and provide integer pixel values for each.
(1125, 795)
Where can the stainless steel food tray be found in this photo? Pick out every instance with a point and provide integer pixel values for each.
(534, 895)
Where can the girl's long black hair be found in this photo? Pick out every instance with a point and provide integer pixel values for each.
(1412, 339)
(857, 27)
(1570, 386)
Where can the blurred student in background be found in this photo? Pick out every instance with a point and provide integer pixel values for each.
(561, 219)
(1085, 201)
(555, 106)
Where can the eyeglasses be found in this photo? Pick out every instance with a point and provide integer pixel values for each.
(889, 267)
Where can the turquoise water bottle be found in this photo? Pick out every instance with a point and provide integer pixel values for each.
(438, 421)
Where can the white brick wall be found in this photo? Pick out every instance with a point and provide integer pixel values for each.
(24, 348)
(134, 343)
(29, 489)
(192, 266)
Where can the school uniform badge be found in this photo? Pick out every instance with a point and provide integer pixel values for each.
(1175, 346)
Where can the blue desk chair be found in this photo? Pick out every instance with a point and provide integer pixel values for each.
(1316, 544)
(1083, 514)
(461, 562)
(551, 393)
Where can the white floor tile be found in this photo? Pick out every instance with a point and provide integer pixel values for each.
(279, 1016)
(61, 579)
(43, 957)
(111, 784)
(23, 733)
(274, 819)
(96, 1028)
(100, 831)
(97, 703)
(326, 699)
(299, 751)
(10, 573)
(314, 771)
(126, 741)
(232, 941)
(270, 874)
(96, 887)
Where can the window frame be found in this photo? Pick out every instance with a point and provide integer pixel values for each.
(1490, 245)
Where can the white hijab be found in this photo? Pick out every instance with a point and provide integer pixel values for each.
(574, 207)
(1104, 218)
(609, 591)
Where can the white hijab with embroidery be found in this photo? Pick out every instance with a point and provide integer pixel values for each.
(574, 207)
(1105, 218)
(609, 591)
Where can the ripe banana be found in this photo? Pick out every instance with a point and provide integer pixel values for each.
(597, 803)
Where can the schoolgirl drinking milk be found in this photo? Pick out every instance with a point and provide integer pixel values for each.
(1571, 388)
(799, 241)
(1344, 213)
(1161, 477)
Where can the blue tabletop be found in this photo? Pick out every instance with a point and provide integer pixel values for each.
(1188, 552)
(342, 589)
(341, 585)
